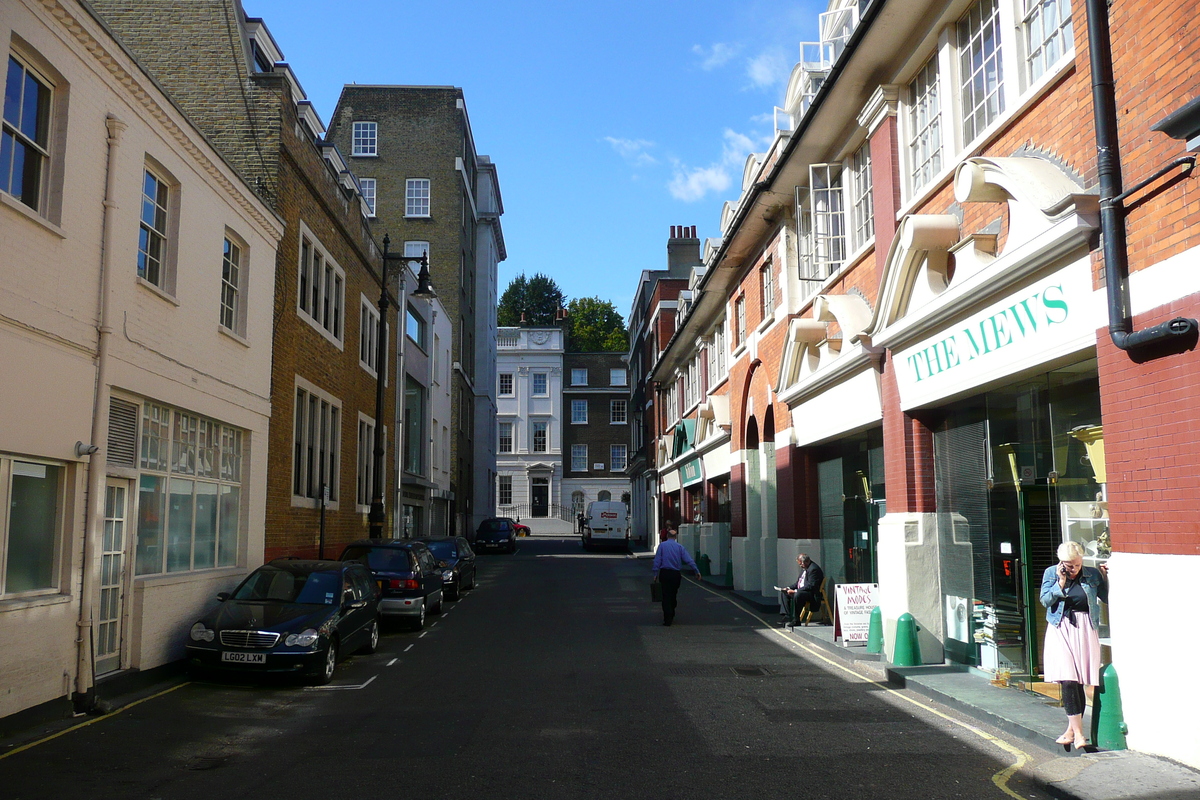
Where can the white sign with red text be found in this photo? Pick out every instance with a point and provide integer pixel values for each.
(855, 602)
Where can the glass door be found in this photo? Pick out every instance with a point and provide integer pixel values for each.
(112, 577)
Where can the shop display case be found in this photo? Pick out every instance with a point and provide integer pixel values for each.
(1087, 523)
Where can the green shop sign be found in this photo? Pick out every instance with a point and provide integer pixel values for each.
(691, 472)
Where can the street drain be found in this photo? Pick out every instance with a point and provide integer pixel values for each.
(751, 672)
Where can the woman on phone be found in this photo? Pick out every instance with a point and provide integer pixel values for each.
(1070, 593)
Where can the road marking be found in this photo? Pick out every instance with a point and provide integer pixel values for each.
(423, 634)
(394, 660)
(410, 647)
(109, 715)
(432, 625)
(341, 688)
(1000, 778)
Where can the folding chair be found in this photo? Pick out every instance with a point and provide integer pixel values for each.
(806, 614)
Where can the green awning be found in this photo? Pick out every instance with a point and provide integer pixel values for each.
(685, 437)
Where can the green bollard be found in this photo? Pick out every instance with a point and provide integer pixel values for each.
(728, 582)
(875, 632)
(1108, 718)
(705, 564)
(908, 647)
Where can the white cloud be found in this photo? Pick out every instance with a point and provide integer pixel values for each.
(768, 69)
(716, 56)
(690, 184)
(633, 150)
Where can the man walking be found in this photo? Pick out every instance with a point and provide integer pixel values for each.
(668, 569)
(803, 591)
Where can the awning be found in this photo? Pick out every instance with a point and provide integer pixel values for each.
(685, 437)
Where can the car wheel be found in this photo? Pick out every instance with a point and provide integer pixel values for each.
(326, 673)
(372, 638)
(419, 622)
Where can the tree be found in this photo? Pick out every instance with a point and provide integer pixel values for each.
(539, 298)
(595, 327)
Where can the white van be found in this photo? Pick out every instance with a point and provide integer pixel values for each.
(605, 522)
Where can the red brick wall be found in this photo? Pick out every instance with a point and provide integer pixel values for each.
(907, 453)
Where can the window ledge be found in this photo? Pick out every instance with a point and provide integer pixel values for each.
(418, 216)
(8, 200)
(618, 423)
(239, 339)
(158, 291)
(364, 155)
(766, 323)
(191, 576)
(573, 422)
(314, 503)
(19, 603)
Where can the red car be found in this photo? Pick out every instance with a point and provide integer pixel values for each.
(522, 530)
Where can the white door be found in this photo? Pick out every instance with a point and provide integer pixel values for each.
(112, 576)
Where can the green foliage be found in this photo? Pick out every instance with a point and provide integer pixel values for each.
(595, 327)
(538, 297)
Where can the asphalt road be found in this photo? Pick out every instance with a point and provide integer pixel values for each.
(553, 679)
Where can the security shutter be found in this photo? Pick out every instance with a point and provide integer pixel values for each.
(122, 433)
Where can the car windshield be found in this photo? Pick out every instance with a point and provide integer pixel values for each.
(443, 549)
(272, 584)
(492, 525)
(380, 559)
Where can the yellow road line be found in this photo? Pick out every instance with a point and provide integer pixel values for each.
(1000, 778)
(92, 721)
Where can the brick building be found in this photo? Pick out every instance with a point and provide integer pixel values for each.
(327, 279)
(595, 429)
(431, 192)
(924, 386)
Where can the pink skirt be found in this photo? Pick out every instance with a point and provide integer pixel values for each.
(1073, 651)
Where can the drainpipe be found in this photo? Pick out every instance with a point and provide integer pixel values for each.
(1112, 210)
(84, 698)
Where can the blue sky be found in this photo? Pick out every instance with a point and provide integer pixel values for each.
(608, 122)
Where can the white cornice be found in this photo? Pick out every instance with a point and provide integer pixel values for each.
(881, 105)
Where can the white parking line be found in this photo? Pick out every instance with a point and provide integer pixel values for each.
(433, 625)
(423, 634)
(410, 647)
(343, 688)
(393, 661)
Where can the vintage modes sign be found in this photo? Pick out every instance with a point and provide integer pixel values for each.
(855, 602)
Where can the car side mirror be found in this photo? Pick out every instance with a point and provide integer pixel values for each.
(347, 597)
(222, 596)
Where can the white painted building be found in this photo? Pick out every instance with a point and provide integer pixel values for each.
(529, 392)
(135, 322)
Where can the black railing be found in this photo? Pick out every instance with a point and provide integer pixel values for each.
(524, 511)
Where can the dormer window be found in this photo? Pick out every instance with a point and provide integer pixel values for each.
(366, 139)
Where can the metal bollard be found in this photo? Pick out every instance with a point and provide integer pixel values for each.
(908, 647)
(705, 564)
(728, 582)
(1108, 718)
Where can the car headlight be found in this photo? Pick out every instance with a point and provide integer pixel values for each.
(200, 633)
(448, 575)
(303, 639)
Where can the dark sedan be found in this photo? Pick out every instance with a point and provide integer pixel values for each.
(290, 616)
(457, 560)
(497, 533)
(407, 573)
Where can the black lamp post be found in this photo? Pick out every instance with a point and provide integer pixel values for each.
(378, 513)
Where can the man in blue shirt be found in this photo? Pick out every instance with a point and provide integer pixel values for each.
(668, 570)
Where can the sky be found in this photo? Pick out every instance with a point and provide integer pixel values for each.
(608, 122)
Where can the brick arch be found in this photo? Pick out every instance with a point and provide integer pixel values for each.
(756, 390)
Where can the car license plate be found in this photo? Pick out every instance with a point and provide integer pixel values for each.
(245, 658)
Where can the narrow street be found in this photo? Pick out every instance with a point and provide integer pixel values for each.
(554, 678)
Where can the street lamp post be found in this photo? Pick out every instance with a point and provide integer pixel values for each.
(378, 514)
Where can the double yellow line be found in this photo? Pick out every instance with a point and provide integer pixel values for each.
(1001, 778)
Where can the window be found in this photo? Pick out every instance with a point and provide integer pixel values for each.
(579, 456)
(617, 458)
(925, 126)
(506, 437)
(367, 185)
(25, 143)
(540, 385)
(322, 289)
(152, 240)
(416, 197)
(862, 226)
(739, 332)
(414, 250)
(981, 79)
(718, 347)
(766, 279)
(828, 218)
(579, 377)
(506, 384)
(30, 528)
(366, 460)
(366, 139)
(617, 412)
(1048, 34)
(368, 335)
(232, 318)
(414, 327)
(504, 490)
(414, 426)
(540, 437)
(189, 492)
(317, 442)
(579, 412)
(618, 377)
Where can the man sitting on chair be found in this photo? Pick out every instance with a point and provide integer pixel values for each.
(803, 591)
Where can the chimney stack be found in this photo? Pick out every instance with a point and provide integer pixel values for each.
(683, 251)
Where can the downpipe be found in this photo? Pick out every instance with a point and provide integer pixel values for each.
(1112, 210)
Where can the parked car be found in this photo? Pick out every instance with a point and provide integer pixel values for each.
(497, 533)
(457, 560)
(407, 573)
(522, 530)
(290, 616)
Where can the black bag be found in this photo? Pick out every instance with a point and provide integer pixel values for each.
(655, 592)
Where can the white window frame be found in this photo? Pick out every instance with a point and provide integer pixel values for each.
(862, 206)
(315, 440)
(618, 412)
(980, 102)
(368, 334)
(766, 282)
(500, 438)
(536, 426)
(417, 197)
(579, 377)
(1051, 23)
(739, 309)
(368, 187)
(39, 145)
(533, 384)
(364, 138)
(616, 464)
(926, 143)
(579, 412)
(618, 377)
(234, 266)
(321, 298)
(579, 458)
(414, 249)
(827, 207)
(162, 231)
(500, 392)
(8, 471)
(504, 487)
(365, 478)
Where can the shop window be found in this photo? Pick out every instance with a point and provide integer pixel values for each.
(31, 496)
